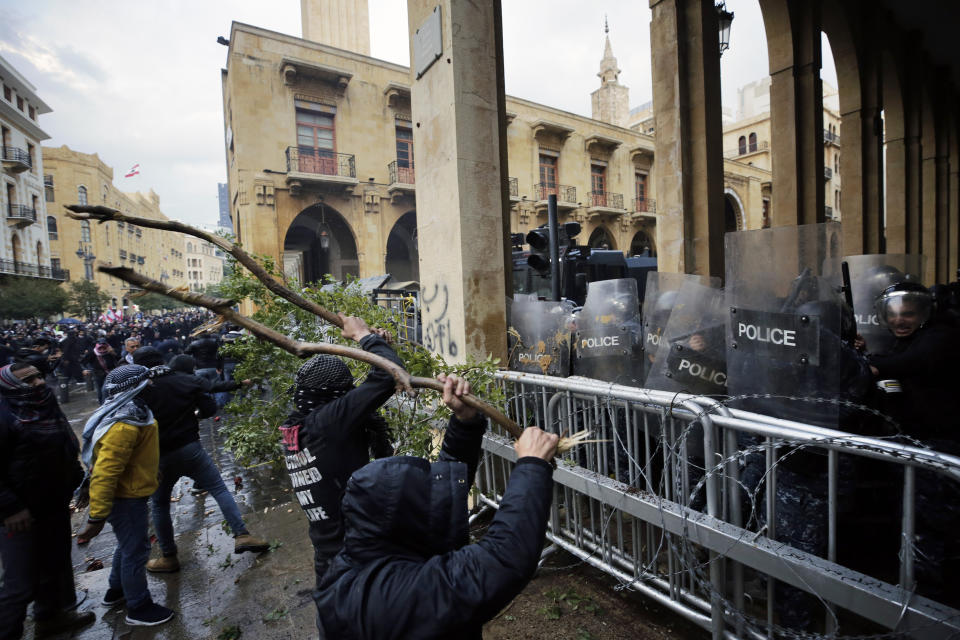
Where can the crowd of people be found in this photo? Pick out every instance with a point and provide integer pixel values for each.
(154, 384)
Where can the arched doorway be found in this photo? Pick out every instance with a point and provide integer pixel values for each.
(403, 258)
(17, 253)
(318, 242)
(642, 245)
(601, 239)
(732, 213)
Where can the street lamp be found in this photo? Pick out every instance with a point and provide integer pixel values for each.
(84, 253)
(724, 18)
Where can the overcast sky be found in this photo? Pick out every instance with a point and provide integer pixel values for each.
(139, 82)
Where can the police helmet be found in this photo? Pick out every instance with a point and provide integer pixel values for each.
(900, 297)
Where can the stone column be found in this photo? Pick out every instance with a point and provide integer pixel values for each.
(688, 172)
(861, 163)
(457, 127)
(913, 117)
(796, 118)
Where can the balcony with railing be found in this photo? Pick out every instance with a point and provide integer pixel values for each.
(566, 195)
(318, 167)
(604, 203)
(644, 206)
(17, 268)
(829, 137)
(21, 214)
(514, 189)
(16, 159)
(403, 179)
(827, 173)
(828, 212)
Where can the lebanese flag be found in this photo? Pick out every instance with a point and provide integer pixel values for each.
(134, 171)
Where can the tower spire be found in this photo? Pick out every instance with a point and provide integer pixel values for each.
(606, 25)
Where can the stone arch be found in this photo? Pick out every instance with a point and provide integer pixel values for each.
(642, 242)
(402, 256)
(601, 236)
(320, 241)
(733, 211)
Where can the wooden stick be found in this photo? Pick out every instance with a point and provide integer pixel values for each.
(302, 349)
(103, 214)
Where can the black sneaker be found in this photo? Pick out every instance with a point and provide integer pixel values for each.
(149, 615)
(112, 597)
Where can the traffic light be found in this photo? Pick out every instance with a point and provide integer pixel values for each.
(539, 241)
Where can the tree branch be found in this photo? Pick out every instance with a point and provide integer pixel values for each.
(303, 349)
(103, 214)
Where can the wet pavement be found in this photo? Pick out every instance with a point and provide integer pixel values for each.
(216, 594)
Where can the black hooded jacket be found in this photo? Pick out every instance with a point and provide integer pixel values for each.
(39, 464)
(333, 443)
(406, 570)
(173, 398)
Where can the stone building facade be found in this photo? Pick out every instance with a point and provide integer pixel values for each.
(75, 177)
(25, 248)
(747, 141)
(204, 264)
(322, 171)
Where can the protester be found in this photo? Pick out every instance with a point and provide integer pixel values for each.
(331, 431)
(177, 400)
(39, 471)
(98, 362)
(406, 570)
(130, 345)
(120, 448)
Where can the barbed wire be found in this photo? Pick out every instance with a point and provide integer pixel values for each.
(676, 467)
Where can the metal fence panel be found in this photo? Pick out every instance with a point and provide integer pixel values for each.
(684, 530)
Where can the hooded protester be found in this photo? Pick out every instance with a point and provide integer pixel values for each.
(100, 360)
(121, 452)
(331, 432)
(39, 471)
(177, 400)
(406, 570)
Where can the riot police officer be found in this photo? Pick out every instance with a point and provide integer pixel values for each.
(923, 361)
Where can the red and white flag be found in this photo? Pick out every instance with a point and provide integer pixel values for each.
(134, 171)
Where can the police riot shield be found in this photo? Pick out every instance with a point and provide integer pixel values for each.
(539, 339)
(784, 315)
(869, 276)
(608, 333)
(692, 354)
(659, 298)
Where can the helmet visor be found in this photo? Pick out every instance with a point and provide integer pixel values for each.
(903, 308)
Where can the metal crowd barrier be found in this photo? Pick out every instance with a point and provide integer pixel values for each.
(624, 506)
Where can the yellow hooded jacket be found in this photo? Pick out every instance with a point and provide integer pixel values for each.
(126, 462)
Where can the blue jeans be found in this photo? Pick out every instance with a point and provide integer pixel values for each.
(209, 373)
(129, 572)
(192, 461)
(36, 566)
(223, 397)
